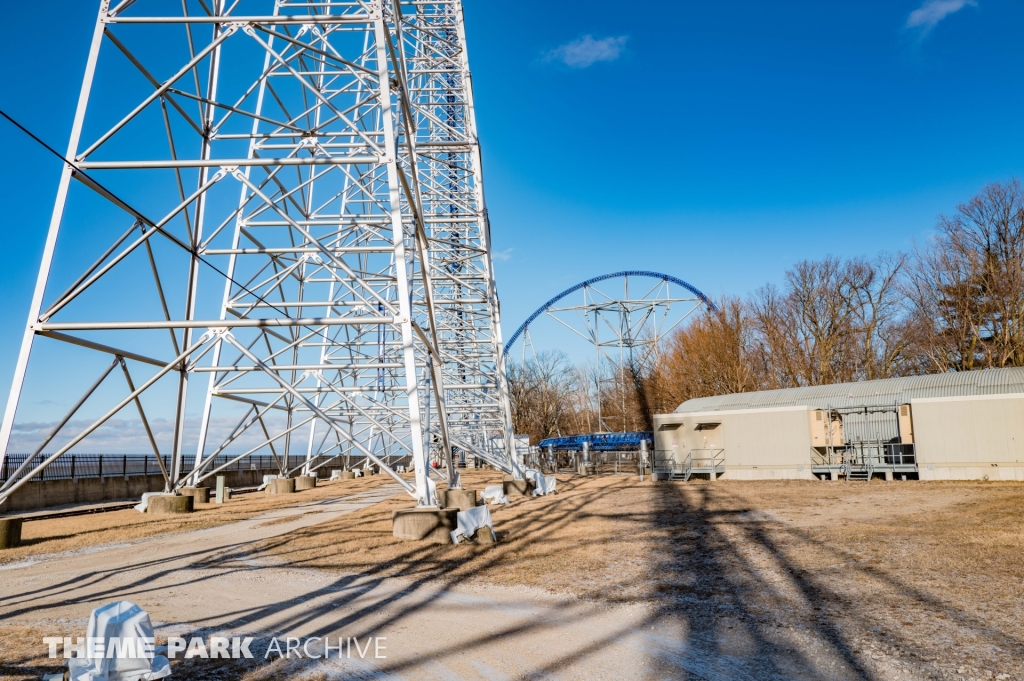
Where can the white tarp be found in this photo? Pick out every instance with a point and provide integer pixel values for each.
(494, 494)
(128, 658)
(468, 522)
(144, 504)
(542, 484)
(545, 485)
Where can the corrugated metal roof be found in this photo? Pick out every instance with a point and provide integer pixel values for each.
(870, 393)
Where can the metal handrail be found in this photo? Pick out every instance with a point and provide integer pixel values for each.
(717, 457)
(866, 453)
(668, 460)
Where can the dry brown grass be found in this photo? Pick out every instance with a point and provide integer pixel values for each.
(22, 655)
(545, 542)
(927, 571)
(67, 534)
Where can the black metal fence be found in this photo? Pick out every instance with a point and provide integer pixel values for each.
(77, 466)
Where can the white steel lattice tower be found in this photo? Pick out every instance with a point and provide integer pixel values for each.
(286, 214)
(460, 278)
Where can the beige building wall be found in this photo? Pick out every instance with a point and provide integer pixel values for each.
(968, 438)
(772, 444)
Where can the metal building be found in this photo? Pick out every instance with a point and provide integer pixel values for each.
(954, 426)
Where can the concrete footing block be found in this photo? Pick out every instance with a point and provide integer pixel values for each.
(460, 499)
(167, 504)
(305, 482)
(484, 536)
(833, 475)
(425, 524)
(200, 494)
(281, 486)
(348, 475)
(517, 488)
(888, 476)
(10, 533)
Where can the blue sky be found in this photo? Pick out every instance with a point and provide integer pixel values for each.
(721, 142)
(718, 142)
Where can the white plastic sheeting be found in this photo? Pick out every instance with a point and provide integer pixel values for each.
(545, 485)
(124, 628)
(542, 484)
(144, 504)
(468, 522)
(494, 494)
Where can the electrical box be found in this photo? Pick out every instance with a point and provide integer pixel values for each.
(668, 434)
(826, 429)
(906, 419)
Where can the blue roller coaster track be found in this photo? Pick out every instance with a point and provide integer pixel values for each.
(627, 273)
(599, 442)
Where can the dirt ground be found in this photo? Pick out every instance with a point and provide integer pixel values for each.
(41, 537)
(724, 580)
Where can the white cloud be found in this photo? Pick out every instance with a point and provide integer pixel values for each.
(929, 14)
(585, 51)
(502, 256)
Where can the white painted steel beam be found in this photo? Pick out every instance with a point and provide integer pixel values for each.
(354, 264)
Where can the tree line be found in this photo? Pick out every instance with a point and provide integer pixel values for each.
(954, 303)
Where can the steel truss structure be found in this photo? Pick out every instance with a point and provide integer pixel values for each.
(459, 278)
(302, 178)
(626, 326)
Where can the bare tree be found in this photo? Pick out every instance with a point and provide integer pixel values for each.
(714, 354)
(966, 288)
(544, 394)
(835, 320)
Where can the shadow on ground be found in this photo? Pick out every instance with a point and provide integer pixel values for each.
(725, 598)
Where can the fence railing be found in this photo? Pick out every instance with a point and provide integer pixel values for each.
(80, 466)
(626, 461)
(879, 454)
(705, 460)
(668, 461)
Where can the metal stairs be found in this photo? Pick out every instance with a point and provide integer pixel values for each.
(859, 472)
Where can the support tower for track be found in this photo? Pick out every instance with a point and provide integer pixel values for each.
(312, 231)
